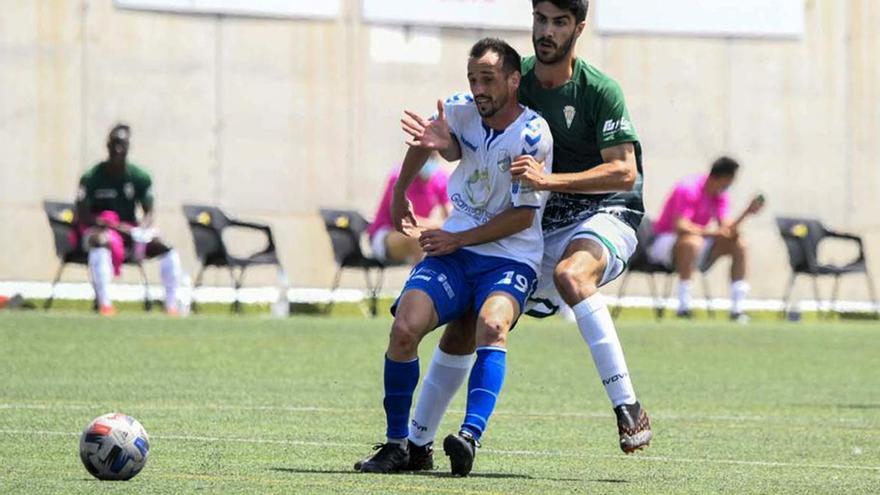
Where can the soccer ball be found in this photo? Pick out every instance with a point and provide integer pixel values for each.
(114, 447)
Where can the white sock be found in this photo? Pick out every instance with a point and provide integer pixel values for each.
(597, 329)
(101, 270)
(446, 374)
(684, 295)
(169, 268)
(738, 292)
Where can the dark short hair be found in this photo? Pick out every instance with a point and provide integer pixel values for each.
(578, 8)
(724, 167)
(510, 59)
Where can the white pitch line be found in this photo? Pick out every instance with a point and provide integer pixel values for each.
(515, 453)
(743, 418)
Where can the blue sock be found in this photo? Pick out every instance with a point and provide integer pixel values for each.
(400, 383)
(487, 377)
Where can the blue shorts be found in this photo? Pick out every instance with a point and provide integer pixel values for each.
(463, 280)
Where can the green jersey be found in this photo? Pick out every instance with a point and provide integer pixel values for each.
(586, 115)
(99, 191)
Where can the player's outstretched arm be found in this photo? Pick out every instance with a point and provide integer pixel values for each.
(431, 134)
(617, 174)
(505, 224)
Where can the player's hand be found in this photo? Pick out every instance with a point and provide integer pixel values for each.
(439, 242)
(402, 215)
(528, 171)
(427, 134)
(756, 205)
(727, 232)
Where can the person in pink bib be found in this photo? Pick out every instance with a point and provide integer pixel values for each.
(686, 239)
(430, 205)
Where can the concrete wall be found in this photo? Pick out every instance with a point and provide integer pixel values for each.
(271, 119)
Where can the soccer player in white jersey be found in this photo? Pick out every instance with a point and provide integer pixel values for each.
(486, 256)
(589, 223)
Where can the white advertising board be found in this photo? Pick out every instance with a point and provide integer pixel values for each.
(482, 14)
(721, 18)
(255, 8)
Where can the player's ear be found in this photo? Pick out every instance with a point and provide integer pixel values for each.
(579, 29)
(514, 79)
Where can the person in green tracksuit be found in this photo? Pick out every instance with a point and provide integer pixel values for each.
(107, 226)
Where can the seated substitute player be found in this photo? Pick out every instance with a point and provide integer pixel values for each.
(106, 204)
(589, 224)
(685, 242)
(486, 255)
(428, 196)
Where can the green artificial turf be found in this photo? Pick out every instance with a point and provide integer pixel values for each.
(244, 404)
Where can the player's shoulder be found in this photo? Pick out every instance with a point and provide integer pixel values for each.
(460, 109)
(91, 173)
(460, 100)
(137, 172)
(690, 184)
(527, 65)
(594, 80)
(533, 122)
(535, 134)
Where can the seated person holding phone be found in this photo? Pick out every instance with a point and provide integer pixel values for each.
(686, 242)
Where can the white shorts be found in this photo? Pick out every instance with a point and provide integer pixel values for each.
(617, 239)
(661, 250)
(377, 244)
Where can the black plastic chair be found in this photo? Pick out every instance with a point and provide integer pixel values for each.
(207, 224)
(640, 262)
(802, 237)
(345, 228)
(61, 215)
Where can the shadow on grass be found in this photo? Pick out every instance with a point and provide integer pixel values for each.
(443, 474)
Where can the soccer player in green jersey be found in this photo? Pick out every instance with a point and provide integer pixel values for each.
(589, 224)
(106, 218)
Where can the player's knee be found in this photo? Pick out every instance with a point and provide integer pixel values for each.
(691, 243)
(573, 284)
(493, 331)
(98, 239)
(405, 336)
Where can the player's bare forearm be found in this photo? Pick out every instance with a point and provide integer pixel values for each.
(451, 153)
(147, 220)
(507, 223)
(413, 162)
(617, 174)
(685, 226)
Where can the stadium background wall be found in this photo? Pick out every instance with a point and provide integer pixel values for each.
(271, 119)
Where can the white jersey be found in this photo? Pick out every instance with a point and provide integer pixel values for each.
(481, 187)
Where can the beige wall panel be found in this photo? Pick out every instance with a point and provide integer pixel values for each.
(39, 100)
(155, 72)
(864, 118)
(272, 119)
(285, 116)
